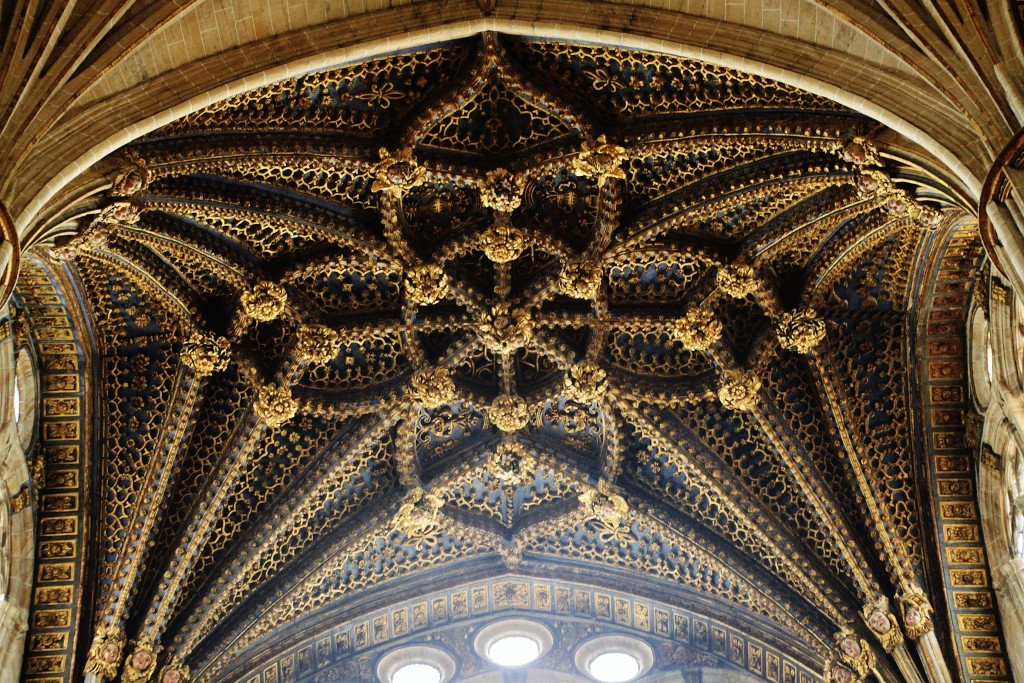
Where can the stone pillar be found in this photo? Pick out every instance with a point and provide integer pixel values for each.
(1008, 581)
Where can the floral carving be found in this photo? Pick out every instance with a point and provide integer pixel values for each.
(432, 387)
(800, 330)
(502, 190)
(600, 160)
(275, 404)
(508, 413)
(206, 353)
(698, 330)
(397, 173)
(737, 280)
(503, 242)
(739, 391)
(581, 279)
(426, 284)
(504, 330)
(607, 510)
(317, 344)
(585, 382)
(264, 302)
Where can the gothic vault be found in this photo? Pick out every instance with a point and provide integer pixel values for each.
(621, 342)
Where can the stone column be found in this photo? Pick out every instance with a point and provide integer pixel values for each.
(1008, 581)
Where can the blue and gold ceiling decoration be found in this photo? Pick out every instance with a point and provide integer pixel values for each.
(507, 308)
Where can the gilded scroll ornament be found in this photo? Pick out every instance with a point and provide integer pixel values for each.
(581, 279)
(511, 463)
(585, 382)
(698, 330)
(505, 330)
(882, 623)
(141, 664)
(105, 652)
(132, 176)
(855, 652)
(739, 391)
(916, 612)
(503, 242)
(206, 353)
(420, 514)
(175, 672)
(600, 161)
(800, 330)
(397, 173)
(275, 404)
(432, 387)
(426, 283)
(607, 510)
(317, 344)
(502, 190)
(508, 413)
(738, 280)
(264, 302)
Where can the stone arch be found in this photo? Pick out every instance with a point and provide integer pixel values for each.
(864, 85)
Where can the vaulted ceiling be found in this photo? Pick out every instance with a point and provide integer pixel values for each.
(513, 312)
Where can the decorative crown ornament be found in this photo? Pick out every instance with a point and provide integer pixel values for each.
(698, 330)
(600, 160)
(585, 382)
(142, 663)
(508, 413)
(264, 302)
(882, 623)
(275, 404)
(739, 391)
(206, 353)
(105, 652)
(426, 284)
(432, 387)
(397, 173)
(502, 190)
(800, 330)
(317, 344)
(737, 280)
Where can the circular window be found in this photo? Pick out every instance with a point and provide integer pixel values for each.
(416, 664)
(513, 642)
(614, 667)
(416, 673)
(614, 658)
(513, 651)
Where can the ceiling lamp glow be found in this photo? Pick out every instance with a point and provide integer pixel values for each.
(513, 651)
(614, 667)
(416, 673)
(416, 664)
